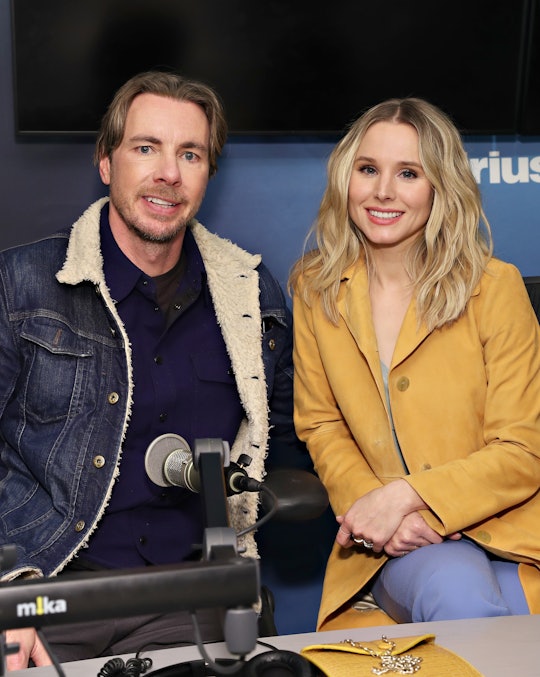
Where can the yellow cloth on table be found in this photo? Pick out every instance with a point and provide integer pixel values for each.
(356, 659)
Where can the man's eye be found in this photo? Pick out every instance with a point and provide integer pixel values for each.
(190, 155)
(144, 149)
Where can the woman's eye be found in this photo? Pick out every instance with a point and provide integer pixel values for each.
(367, 169)
(408, 174)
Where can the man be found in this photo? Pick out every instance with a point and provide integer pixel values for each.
(134, 323)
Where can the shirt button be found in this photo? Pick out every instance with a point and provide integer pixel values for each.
(142, 540)
(158, 359)
(403, 383)
(80, 525)
(113, 398)
(163, 417)
(426, 466)
(99, 461)
(272, 344)
(483, 536)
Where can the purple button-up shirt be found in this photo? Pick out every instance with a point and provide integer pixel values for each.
(183, 384)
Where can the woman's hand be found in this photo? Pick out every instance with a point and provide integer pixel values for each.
(377, 515)
(413, 532)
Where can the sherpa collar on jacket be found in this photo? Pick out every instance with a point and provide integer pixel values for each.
(234, 285)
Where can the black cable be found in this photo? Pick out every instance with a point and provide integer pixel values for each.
(267, 645)
(266, 517)
(133, 667)
(219, 669)
(59, 670)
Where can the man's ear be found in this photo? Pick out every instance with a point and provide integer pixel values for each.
(105, 170)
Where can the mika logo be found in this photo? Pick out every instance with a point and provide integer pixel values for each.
(41, 607)
(497, 169)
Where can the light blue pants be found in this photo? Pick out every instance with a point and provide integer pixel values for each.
(449, 581)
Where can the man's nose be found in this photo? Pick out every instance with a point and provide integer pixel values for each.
(168, 169)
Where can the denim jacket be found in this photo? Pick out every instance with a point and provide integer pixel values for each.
(66, 385)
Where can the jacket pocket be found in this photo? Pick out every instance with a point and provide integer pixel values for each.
(56, 368)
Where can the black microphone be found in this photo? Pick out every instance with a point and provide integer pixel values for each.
(289, 494)
(169, 462)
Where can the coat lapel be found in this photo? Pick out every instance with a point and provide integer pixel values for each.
(354, 306)
(411, 335)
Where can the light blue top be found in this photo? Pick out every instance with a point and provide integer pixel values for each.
(385, 372)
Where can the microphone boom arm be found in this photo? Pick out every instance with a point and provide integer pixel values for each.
(210, 456)
(221, 579)
(128, 592)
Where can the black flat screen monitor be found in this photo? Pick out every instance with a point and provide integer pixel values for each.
(280, 66)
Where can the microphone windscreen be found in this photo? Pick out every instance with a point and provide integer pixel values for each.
(300, 494)
(157, 454)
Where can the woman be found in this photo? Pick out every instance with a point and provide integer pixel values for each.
(417, 385)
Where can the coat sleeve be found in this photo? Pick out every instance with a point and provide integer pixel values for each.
(318, 418)
(503, 475)
(9, 352)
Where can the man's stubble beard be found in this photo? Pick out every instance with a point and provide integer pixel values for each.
(137, 227)
(155, 238)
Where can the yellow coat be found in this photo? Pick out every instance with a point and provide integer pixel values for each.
(466, 406)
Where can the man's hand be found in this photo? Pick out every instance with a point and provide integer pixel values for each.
(30, 648)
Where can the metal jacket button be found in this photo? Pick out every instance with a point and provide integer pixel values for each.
(80, 525)
(113, 398)
(99, 461)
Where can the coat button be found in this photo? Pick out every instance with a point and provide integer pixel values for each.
(99, 461)
(483, 536)
(80, 525)
(272, 344)
(113, 398)
(403, 383)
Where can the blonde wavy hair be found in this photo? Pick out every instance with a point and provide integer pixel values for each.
(446, 262)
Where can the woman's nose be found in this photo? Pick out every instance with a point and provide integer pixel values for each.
(385, 188)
